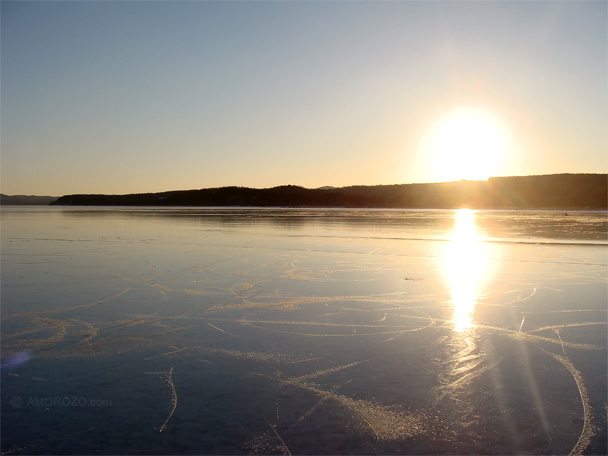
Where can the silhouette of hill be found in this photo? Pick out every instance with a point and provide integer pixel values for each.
(557, 191)
(25, 199)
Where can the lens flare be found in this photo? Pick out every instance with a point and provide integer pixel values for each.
(18, 360)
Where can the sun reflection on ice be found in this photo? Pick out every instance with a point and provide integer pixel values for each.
(465, 268)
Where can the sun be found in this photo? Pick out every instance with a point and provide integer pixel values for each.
(466, 143)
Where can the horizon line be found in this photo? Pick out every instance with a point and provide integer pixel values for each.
(323, 187)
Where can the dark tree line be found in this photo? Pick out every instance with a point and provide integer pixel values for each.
(558, 191)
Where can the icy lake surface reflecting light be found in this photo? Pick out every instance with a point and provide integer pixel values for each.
(303, 331)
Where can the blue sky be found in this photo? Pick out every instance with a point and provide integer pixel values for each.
(120, 97)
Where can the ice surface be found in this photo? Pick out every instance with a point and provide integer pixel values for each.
(297, 331)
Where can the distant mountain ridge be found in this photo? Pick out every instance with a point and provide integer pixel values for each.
(555, 191)
(26, 199)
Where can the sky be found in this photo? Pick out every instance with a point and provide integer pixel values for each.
(147, 96)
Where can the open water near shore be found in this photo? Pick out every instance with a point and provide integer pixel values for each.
(303, 331)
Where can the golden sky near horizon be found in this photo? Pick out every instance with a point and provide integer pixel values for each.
(122, 97)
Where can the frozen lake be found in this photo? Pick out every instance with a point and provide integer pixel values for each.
(300, 331)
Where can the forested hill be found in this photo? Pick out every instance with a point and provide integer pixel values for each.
(25, 199)
(558, 191)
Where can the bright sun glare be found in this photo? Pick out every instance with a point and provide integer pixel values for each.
(468, 144)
